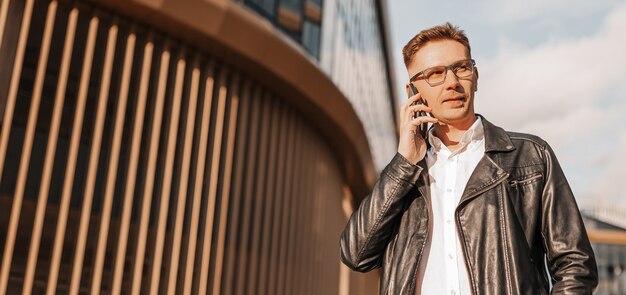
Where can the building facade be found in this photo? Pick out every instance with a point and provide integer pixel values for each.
(607, 233)
(188, 146)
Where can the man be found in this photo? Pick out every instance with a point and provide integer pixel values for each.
(471, 209)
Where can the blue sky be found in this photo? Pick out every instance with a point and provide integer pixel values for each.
(554, 68)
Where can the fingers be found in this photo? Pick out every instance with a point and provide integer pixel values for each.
(410, 108)
(412, 100)
(419, 108)
(423, 119)
(414, 109)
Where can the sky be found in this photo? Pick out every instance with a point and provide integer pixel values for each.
(553, 68)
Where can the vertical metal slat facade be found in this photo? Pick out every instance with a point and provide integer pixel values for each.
(133, 161)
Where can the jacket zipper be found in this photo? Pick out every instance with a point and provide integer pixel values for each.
(460, 230)
(524, 181)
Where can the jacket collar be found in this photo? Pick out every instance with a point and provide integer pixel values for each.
(486, 173)
(496, 139)
(474, 134)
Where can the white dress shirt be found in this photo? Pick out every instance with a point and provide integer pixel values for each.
(445, 271)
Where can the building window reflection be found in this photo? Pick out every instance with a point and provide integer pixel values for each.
(311, 38)
(265, 7)
(298, 19)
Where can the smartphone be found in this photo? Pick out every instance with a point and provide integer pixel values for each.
(423, 128)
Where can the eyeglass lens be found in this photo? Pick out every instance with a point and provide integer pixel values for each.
(437, 75)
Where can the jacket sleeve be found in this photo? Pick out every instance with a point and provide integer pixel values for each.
(570, 257)
(371, 226)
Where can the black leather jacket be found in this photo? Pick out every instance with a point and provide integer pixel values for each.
(517, 210)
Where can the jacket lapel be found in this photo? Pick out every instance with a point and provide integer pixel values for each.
(488, 173)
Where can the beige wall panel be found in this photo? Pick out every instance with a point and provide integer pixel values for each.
(70, 171)
(319, 197)
(207, 242)
(199, 180)
(4, 10)
(310, 225)
(277, 275)
(93, 162)
(286, 215)
(313, 224)
(302, 204)
(335, 222)
(269, 198)
(44, 187)
(280, 201)
(33, 113)
(296, 204)
(184, 180)
(174, 239)
(259, 200)
(248, 190)
(151, 171)
(129, 190)
(303, 237)
(226, 186)
(9, 107)
(167, 177)
(233, 249)
(120, 115)
(364, 283)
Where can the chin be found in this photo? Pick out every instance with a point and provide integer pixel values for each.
(453, 116)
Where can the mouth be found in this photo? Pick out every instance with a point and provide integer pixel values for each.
(455, 98)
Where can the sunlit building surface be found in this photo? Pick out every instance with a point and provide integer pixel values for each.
(188, 146)
(348, 43)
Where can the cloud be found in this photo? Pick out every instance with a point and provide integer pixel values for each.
(565, 129)
(571, 92)
(514, 11)
(554, 78)
(609, 187)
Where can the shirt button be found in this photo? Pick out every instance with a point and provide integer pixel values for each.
(448, 221)
(450, 256)
(449, 190)
(453, 292)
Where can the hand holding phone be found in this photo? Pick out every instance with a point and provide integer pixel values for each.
(423, 128)
(412, 145)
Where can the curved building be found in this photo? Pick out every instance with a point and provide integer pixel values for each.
(188, 146)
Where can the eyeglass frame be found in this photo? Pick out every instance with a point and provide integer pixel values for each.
(448, 67)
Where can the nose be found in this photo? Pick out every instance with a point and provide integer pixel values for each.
(452, 81)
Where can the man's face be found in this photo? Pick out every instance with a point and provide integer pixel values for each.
(453, 100)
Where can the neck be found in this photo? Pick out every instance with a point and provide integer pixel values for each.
(451, 133)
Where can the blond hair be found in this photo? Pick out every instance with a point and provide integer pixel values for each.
(442, 32)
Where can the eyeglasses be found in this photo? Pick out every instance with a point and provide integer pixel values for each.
(437, 75)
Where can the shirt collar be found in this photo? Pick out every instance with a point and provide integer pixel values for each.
(474, 133)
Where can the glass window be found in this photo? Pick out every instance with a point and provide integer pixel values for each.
(292, 5)
(311, 38)
(289, 19)
(313, 10)
(298, 19)
(265, 7)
